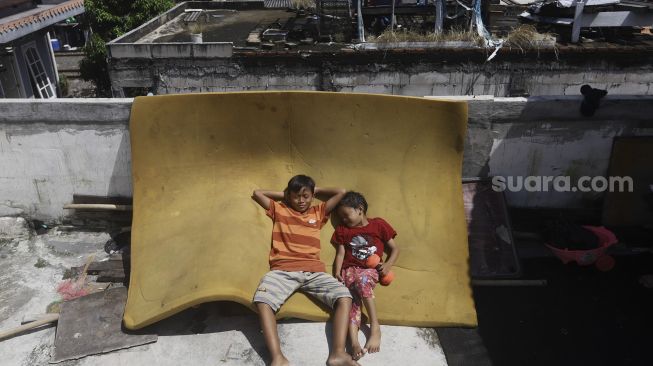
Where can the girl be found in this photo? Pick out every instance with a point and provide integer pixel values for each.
(357, 238)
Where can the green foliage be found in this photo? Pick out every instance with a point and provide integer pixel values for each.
(63, 85)
(108, 20)
(113, 18)
(94, 67)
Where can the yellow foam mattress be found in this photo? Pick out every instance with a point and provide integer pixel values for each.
(197, 235)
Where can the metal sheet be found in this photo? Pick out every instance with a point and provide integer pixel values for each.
(631, 157)
(617, 19)
(92, 325)
(492, 252)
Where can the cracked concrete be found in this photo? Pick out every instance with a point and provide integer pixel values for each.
(204, 336)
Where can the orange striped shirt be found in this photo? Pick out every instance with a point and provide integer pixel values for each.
(296, 237)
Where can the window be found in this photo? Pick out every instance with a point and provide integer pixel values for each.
(39, 78)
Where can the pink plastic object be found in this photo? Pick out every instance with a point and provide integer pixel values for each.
(70, 289)
(372, 261)
(588, 257)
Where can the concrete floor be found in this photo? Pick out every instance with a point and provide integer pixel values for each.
(32, 266)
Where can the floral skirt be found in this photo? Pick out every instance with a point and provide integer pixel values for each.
(361, 283)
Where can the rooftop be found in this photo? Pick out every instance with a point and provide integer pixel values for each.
(581, 316)
(43, 15)
(572, 315)
(274, 27)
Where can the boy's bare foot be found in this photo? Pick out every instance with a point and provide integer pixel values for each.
(280, 360)
(341, 359)
(373, 343)
(357, 351)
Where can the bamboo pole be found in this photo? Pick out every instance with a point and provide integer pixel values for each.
(49, 318)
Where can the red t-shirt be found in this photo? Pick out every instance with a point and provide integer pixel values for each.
(361, 242)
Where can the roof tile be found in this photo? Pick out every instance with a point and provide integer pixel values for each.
(41, 16)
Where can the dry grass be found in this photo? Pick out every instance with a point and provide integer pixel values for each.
(526, 36)
(306, 4)
(410, 36)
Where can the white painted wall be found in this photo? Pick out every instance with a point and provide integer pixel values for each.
(50, 150)
(547, 136)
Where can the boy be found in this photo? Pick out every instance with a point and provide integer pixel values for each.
(295, 263)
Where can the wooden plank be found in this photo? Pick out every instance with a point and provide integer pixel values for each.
(116, 200)
(46, 319)
(118, 257)
(106, 266)
(116, 276)
(110, 218)
(94, 287)
(92, 325)
(97, 206)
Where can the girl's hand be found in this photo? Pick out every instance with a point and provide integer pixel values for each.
(384, 268)
(339, 278)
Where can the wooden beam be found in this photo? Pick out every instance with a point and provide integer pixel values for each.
(97, 206)
(47, 319)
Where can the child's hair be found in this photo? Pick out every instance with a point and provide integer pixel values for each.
(354, 200)
(296, 183)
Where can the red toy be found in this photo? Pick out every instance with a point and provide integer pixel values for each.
(372, 262)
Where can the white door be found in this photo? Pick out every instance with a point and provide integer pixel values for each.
(37, 72)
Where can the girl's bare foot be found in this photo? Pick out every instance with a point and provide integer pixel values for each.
(341, 359)
(280, 360)
(357, 351)
(373, 343)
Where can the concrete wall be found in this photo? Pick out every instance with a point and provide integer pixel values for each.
(52, 149)
(449, 72)
(68, 67)
(547, 136)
